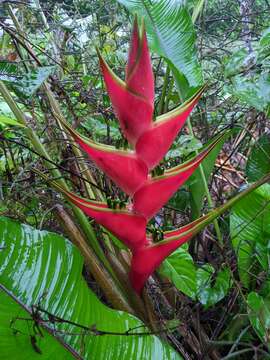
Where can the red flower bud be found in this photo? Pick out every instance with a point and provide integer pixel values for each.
(133, 110)
(147, 259)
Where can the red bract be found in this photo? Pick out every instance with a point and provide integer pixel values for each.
(156, 141)
(156, 191)
(148, 257)
(128, 227)
(123, 167)
(133, 110)
(133, 104)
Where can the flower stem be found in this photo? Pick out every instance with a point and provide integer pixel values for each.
(160, 108)
(206, 189)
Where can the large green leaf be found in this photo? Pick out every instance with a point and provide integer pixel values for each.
(250, 233)
(30, 82)
(258, 164)
(171, 34)
(18, 337)
(207, 293)
(180, 269)
(9, 71)
(259, 315)
(43, 268)
(196, 282)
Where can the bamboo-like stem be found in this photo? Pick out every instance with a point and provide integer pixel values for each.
(201, 169)
(195, 14)
(153, 321)
(58, 115)
(134, 299)
(53, 102)
(100, 274)
(202, 175)
(80, 216)
(196, 10)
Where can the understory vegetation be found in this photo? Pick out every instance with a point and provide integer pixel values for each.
(85, 171)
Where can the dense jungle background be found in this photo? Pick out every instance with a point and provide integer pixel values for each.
(64, 286)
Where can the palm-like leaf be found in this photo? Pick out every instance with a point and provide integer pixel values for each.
(41, 267)
(18, 339)
(171, 34)
(249, 223)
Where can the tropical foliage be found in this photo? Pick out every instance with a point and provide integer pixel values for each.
(134, 213)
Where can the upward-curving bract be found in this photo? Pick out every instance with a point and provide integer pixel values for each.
(156, 141)
(125, 168)
(128, 227)
(149, 257)
(133, 103)
(133, 110)
(157, 190)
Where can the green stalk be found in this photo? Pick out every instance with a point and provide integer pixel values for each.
(160, 108)
(196, 11)
(178, 83)
(79, 215)
(206, 189)
(199, 224)
(81, 218)
(115, 297)
(220, 210)
(201, 169)
(59, 116)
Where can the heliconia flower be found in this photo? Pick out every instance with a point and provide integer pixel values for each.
(133, 102)
(157, 190)
(155, 142)
(123, 167)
